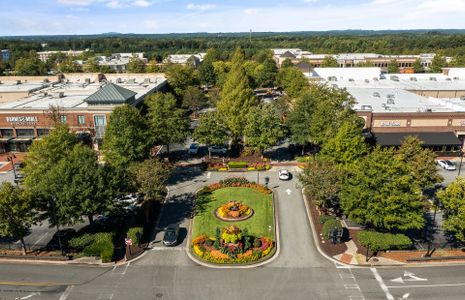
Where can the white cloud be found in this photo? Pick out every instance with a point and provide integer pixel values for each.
(142, 3)
(311, 1)
(76, 2)
(200, 7)
(114, 4)
(249, 11)
(151, 25)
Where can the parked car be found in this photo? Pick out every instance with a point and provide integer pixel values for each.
(447, 165)
(171, 235)
(284, 174)
(218, 150)
(18, 165)
(193, 149)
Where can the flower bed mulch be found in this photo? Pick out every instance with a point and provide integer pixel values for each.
(327, 247)
(404, 256)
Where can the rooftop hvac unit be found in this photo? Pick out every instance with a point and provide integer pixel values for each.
(462, 98)
(456, 78)
(448, 79)
(428, 110)
(131, 81)
(18, 81)
(375, 79)
(118, 80)
(46, 80)
(58, 95)
(146, 80)
(366, 107)
(351, 79)
(332, 78)
(394, 78)
(376, 94)
(413, 79)
(387, 108)
(390, 101)
(433, 79)
(87, 80)
(367, 81)
(390, 96)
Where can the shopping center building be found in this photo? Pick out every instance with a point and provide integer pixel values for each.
(393, 106)
(83, 101)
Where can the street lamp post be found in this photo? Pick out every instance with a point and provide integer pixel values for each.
(461, 160)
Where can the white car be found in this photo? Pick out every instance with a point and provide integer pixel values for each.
(193, 149)
(284, 174)
(447, 165)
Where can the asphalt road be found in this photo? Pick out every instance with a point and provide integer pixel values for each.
(299, 272)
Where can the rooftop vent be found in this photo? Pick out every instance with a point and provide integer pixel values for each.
(390, 96)
(351, 79)
(413, 79)
(433, 79)
(18, 81)
(87, 80)
(375, 79)
(46, 80)
(58, 95)
(131, 81)
(448, 79)
(118, 80)
(376, 94)
(462, 98)
(428, 110)
(394, 78)
(456, 78)
(146, 80)
(387, 108)
(366, 107)
(367, 81)
(390, 101)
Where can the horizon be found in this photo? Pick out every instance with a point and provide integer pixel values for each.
(95, 17)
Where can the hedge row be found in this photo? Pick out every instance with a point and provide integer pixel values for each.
(98, 244)
(237, 164)
(377, 241)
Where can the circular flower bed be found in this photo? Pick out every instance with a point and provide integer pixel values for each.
(233, 211)
(232, 245)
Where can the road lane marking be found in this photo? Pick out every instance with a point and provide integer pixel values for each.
(288, 191)
(408, 276)
(66, 293)
(26, 283)
(29, 296)
(381, 284)
(209, 174)
(426, 285)
(125, 268)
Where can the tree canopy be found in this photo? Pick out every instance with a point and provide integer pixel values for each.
(453, 201)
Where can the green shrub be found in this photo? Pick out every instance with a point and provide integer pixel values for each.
(99, 244)
(232, 181)
(324, 218)
(330, 224)
(237, 164)
(377, 241)
(135, 234)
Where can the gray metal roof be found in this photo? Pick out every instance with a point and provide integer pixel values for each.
(111, 94)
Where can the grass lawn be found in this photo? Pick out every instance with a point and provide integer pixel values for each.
(260, 224)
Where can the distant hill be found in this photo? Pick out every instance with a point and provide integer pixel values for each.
(349, 32)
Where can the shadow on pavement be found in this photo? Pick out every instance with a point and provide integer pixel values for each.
(184, 174)
(176, 209)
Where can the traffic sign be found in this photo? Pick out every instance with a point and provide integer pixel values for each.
(128, 241)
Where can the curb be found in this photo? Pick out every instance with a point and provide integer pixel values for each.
(249, 266)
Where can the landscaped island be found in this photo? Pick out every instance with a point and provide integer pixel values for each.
(234, 223)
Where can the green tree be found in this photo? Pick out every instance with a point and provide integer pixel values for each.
(300, 119)
(420, 161)
(287, 63)
(347, 146)
(168, 124)
(237, 97)
(263, 128)
(194, 99)
(458, 61)
(68, 66)
(180, 77)
(322, 180)
(126, 139)
(437, 64)
(292, 81)
(329, 62)
(206, 70)
(221, 69)
(266, 73)
(30, 66)
(135, 65)
(393, 66)
(91, 65)
(453, 201)
(211, 130)
(150, 178)
(417, 67)
(379, 193)
(16, 213)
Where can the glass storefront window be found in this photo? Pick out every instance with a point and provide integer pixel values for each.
(42, 131)
(6, 132)
(25, 132)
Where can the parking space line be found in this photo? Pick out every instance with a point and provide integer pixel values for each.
(41, 238)
(383, 286)
(426, 285)
(66, 293)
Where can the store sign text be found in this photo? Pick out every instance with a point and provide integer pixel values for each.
(390, 124)
(22, 120)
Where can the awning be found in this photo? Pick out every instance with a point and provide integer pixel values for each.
(5, 139)
(21, 140)
(429, 139)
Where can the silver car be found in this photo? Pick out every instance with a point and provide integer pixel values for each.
(447, 165)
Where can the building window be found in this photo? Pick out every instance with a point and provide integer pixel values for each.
(63, 119)
(100, 122)
(81, 120)
(25, 132)
(6, 132)
(42, 132)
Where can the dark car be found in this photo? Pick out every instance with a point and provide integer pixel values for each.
(171, 235)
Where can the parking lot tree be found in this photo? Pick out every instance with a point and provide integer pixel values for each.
(420, 161)
(211, 130)
(206, 70)
(437, 63)
(347, 146)
(378, 193)
(393, 66)
(136, 65)
(194, 99)
(292, 81)
(282, 105)
(237, 97)
(126, 139)
(453, 201)
(16, 213)
(168, 124)
(263, 128)
(329, 62)
(322, 180)
(180, 77)
(150, 178)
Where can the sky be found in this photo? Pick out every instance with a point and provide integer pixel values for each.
(34, 17)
